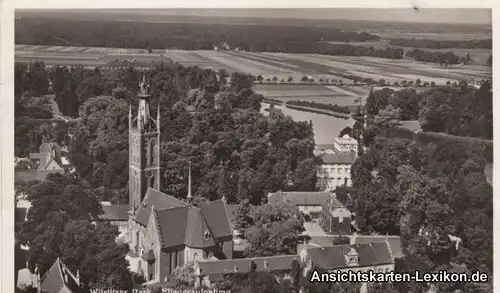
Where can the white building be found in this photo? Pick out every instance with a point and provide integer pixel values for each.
(337, 161)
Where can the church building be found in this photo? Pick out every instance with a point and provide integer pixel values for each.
(165, 232)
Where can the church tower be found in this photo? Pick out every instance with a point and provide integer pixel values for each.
(144, 149)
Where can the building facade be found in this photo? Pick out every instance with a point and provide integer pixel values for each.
(335, 169)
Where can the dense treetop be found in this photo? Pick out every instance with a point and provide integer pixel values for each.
(215, 125)
(457, 109)
(59, 225)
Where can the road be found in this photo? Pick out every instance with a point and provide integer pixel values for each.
(56, 112)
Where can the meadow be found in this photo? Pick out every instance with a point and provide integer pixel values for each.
(330, 77)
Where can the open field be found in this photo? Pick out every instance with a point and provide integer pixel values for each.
(335, 69)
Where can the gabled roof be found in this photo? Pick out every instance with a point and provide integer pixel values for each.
(394, 242)
(347, 158)
(243, 265)
(215, 214)
(183, 226)
(334, 257)
(304, 198)
(57, 277)
(160, 200)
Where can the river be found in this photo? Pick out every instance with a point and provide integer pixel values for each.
(326, 128)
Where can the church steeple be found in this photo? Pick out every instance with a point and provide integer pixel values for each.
(144, 149)
(189, 195)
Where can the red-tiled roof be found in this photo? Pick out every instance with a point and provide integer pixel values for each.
(243, 265)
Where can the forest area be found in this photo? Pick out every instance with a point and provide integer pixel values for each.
(251, 38)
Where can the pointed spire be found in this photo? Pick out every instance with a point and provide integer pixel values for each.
(129, 110)
(158, 112)
(189, 195)
(143, 86)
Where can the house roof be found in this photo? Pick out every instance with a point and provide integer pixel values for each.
(243, 265)
(160, 200)
(339, 158)
(57, 277)
(34, 175)
(394, 242)
(305, 198)
(334, 257)
(115, 212)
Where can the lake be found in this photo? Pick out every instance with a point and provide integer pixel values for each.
(326, 128)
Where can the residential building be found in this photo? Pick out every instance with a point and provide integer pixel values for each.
(208, 271)
(52, 158)
(374, 257)
(165, 232)
(322, 208)
(337, 161)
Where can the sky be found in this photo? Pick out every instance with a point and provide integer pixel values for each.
(433, 15)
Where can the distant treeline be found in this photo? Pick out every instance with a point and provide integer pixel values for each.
(435, 57)
(189, 36)
(192, 36)
(330, 107)
(439, 44)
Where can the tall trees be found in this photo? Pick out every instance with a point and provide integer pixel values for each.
(425, 193)
(275, 231)
(59, 225)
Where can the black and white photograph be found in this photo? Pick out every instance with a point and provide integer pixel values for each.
(252, 150)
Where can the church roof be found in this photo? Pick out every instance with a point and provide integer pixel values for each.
(182, 224)
(215, 214)
(57, 277)
(160, 200)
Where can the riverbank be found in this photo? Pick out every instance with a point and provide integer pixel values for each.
(319, 111)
